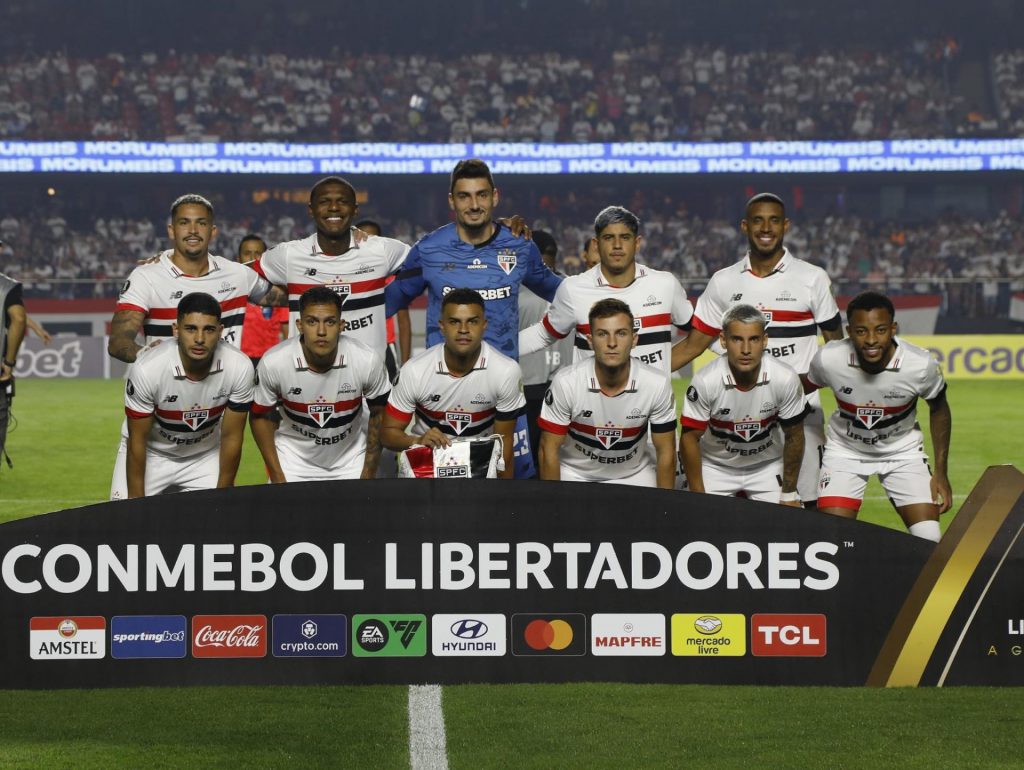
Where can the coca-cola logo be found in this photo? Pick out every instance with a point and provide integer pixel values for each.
(229, 636)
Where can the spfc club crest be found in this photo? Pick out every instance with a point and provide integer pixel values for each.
(869, 415)
(747, 430)
(341, 289)
(767, 316)
(321, 413)
(195, 417)
(507, 260)
(459, 421)
(608, 436)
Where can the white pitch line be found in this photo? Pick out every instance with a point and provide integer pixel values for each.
(428, 749)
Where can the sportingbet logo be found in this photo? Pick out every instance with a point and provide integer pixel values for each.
(148, 636)
(627, 634)
(467, 635)
(67, 638)
(389, 636)
(459, 421)
(608, 436)
(788, 636)
(869, 415)
(195, 417)
(229, 636)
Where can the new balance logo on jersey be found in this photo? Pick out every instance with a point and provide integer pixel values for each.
(459, 421)
(321, 413)
(433, 399)
(869, 415)
(608, 436)
(846, 391)
(507, 260)
(747, 430)
(736, 297)
(586, 413)
(311, 271)
(195, 417)
(295, 391)
(176, 295)
(171, 398)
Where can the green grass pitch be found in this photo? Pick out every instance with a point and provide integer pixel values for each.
(63, 448)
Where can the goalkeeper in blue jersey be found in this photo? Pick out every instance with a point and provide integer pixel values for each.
(475, 252)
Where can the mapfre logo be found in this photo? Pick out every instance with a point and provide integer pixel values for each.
(788, 636)
(627, 634)
(229, 636)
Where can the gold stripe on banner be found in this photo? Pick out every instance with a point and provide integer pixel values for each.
(914, 634)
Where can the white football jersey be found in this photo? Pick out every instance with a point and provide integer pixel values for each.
(655, 297)
(186, 413)
(606, 436)
(795, 298)
(876, 414)
(157, 288)
(457, 406)
(320, 425)
(358, 276)
(742, 427)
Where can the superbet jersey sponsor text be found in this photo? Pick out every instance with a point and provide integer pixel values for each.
(67, 638)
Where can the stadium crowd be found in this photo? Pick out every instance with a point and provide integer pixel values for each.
(660, 90)
(974, 263)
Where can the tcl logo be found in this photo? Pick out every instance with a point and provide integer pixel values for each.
(229, 636)
(792, 636)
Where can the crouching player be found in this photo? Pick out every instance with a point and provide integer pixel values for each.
(186, 406)
(606, 405)
(460, 388)
(877, 379)
(319, 378)
(743, 418)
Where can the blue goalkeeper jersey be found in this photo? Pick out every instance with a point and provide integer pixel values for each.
(441, 261)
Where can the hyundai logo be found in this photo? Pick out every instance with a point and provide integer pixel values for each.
(469, 629)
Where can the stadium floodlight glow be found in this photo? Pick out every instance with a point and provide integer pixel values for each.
(798, 157)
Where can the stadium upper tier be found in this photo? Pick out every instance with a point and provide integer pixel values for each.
(652, 92)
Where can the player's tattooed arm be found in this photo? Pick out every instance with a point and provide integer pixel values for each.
(792, 458)
(276, 297)
(124, 328)
(689, 458)
(941, 423)
(372, 459)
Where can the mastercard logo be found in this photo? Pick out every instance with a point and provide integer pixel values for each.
(548, 634)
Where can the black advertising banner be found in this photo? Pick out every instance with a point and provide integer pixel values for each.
(414, 581)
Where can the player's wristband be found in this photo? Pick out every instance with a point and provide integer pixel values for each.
(789, 497)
